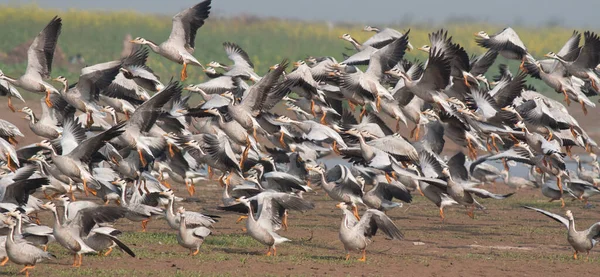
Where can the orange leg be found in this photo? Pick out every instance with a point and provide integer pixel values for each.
(585, 112)
(142, 160)
(108, 252)
(195, 252)
(171, 152)
(284, 221)
(323, 118)
(575, 255)
(355, 211)
(566, 97)
(10, 105)
(85, 188)
(210, 172)
(348, 256)
(144, 224)
(269, 253)
(442, 214)
(184, 72)
(351, 105)
(48, 102)
(10, 165)
(378, 103)
(470, 211)
(312, 108)
(75, 260)
(363, 112)
(364, 256)
(281, 141)
(4, 261)
(26, 269)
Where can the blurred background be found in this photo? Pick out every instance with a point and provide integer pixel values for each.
(270, 30)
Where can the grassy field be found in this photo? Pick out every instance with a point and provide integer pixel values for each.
(98, 36)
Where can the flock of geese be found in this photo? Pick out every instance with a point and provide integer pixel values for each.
(106, 136)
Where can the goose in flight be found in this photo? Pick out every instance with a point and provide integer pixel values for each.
(39, 62)
(179, 47)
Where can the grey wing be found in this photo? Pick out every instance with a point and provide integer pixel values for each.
(202, 232)
(285, 181)
(187, 22)
(486, 194)
(397, 146)
(383, 38)
(360, 58)
(486, 104)
(87, 218)
(507, 39)
(8, 129)
(431, 167)
(456, 164)
(556, 217)
(41, 51)
(97, 77)
(374, 220)
(237, 55)
(145, 115)
(196, 219)
(437, 73)
(112, 233)
(218, 85)
(594, 231)
(482, 63)
(387, 57)
(571, 46)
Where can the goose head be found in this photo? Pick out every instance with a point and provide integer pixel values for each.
(370, 29)
(425, 48)
(61, 79)
(341, 206)
(482, 34)
(49, 206)
(569, 215)
(299, 63)
(27, 111)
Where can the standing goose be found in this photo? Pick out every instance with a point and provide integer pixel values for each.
(70, 234)
(262, 225)
(581, 241)
(190, 238)
(22, 252)
(356, 235)
(39, 62)
(180, 45)
(193, 219)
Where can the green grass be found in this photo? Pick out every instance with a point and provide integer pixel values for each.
(98, 37)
